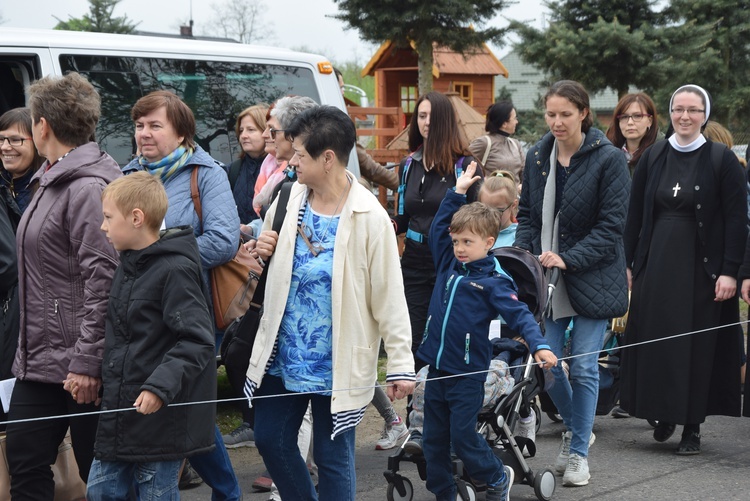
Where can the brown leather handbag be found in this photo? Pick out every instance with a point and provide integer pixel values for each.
(232, 283)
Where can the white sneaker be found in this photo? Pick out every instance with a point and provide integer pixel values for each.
(527, 429)
(391, 435)
(577, 472)
(563, 454)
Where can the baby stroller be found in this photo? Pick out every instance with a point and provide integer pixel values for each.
(497, 421)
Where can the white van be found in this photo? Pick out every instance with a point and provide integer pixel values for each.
(216, 79)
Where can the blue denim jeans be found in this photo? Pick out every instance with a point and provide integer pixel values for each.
(277, 423)
(216, 470)
(113, 480)
(576, 397)
(450, 417)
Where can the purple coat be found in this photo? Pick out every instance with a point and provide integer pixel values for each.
(65, 269)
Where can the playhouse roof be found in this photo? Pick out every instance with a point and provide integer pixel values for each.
(480, 61)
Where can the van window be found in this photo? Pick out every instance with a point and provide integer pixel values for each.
(216, 91)
(16, 73)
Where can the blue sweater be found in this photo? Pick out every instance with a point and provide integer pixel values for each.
(466, 298)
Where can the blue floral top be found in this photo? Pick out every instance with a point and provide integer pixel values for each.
(304, 357)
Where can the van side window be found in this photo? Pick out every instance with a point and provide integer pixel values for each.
(16, 73)
(216, 91)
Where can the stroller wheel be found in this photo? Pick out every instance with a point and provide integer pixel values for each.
(471, 491)
(538, 413)
(544, 485)
(653, 422)
(392, 493)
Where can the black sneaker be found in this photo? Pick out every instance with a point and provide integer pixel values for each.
(189, 478)
(414, 444)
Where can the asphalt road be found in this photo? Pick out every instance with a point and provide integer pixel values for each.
(626, 464)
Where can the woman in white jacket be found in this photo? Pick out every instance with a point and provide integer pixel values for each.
(337, 291)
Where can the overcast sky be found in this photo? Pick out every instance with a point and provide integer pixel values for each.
(295, 23)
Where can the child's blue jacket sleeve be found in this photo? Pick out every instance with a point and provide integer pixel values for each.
(439, 240)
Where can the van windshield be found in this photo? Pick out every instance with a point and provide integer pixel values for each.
(216, 91)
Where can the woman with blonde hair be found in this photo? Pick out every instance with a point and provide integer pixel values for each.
(243, 172)
(499, 190)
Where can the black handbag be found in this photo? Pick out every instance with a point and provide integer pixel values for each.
(239, 337)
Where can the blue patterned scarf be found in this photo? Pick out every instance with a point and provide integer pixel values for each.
(168, 165)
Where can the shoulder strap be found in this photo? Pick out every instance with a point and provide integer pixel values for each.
(402, 186)
(459, 167)
(487, 150)
(234, 172)
(717, 156)
(278, 219)
(196, 196)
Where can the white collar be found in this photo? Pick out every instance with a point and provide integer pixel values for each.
(699, 141)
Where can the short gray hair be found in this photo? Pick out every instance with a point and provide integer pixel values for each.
(287, 108)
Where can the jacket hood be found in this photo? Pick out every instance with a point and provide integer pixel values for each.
(86, 160)
(178, 241)
(200, 157)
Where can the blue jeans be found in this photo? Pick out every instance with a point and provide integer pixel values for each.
(216, 470)
(451, 407)
(277, 423)
(112, 480)
(575, 398)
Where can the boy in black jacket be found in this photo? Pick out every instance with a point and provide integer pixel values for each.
(470, 291)
(158, 349)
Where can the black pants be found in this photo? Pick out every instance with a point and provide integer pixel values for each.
(418, 285)
(32, 446)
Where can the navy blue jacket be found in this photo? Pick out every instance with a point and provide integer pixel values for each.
(466, 298)
(593, 209)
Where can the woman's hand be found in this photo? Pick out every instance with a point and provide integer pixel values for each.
(266, 244)
(464, 182)
(84, 389)
(399, 389)
(545, 358)
(551, 260)
(746, 290)
(726, 288)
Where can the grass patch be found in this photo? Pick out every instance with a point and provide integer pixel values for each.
(228, 416)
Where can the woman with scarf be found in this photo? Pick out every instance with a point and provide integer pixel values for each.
(684, 243)
(572, 215)
(164, 130)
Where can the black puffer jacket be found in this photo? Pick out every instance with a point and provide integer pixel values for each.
(592, 219)
(159, 337)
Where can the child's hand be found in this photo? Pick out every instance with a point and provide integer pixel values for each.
(147, 403)
(545, 358)
(468, 178)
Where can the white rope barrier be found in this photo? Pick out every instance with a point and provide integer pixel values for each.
(239, 399)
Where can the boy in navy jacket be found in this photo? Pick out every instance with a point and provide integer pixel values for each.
(471, 290)
(158, 349)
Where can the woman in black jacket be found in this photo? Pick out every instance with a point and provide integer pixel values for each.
(438, 156)
(572, 215)
(684, 241)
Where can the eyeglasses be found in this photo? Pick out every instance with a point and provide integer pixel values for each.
(693, 112)
(637, 117)
(274, 131)
(14, 141)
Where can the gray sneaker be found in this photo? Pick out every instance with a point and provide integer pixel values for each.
(242, 436)
(561, 463)
(577, 472)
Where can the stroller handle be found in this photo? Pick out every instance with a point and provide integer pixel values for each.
(554, 276)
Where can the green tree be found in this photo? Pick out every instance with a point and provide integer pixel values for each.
(723, 68)
(451, 23)
(600, 43)
(100, 18)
